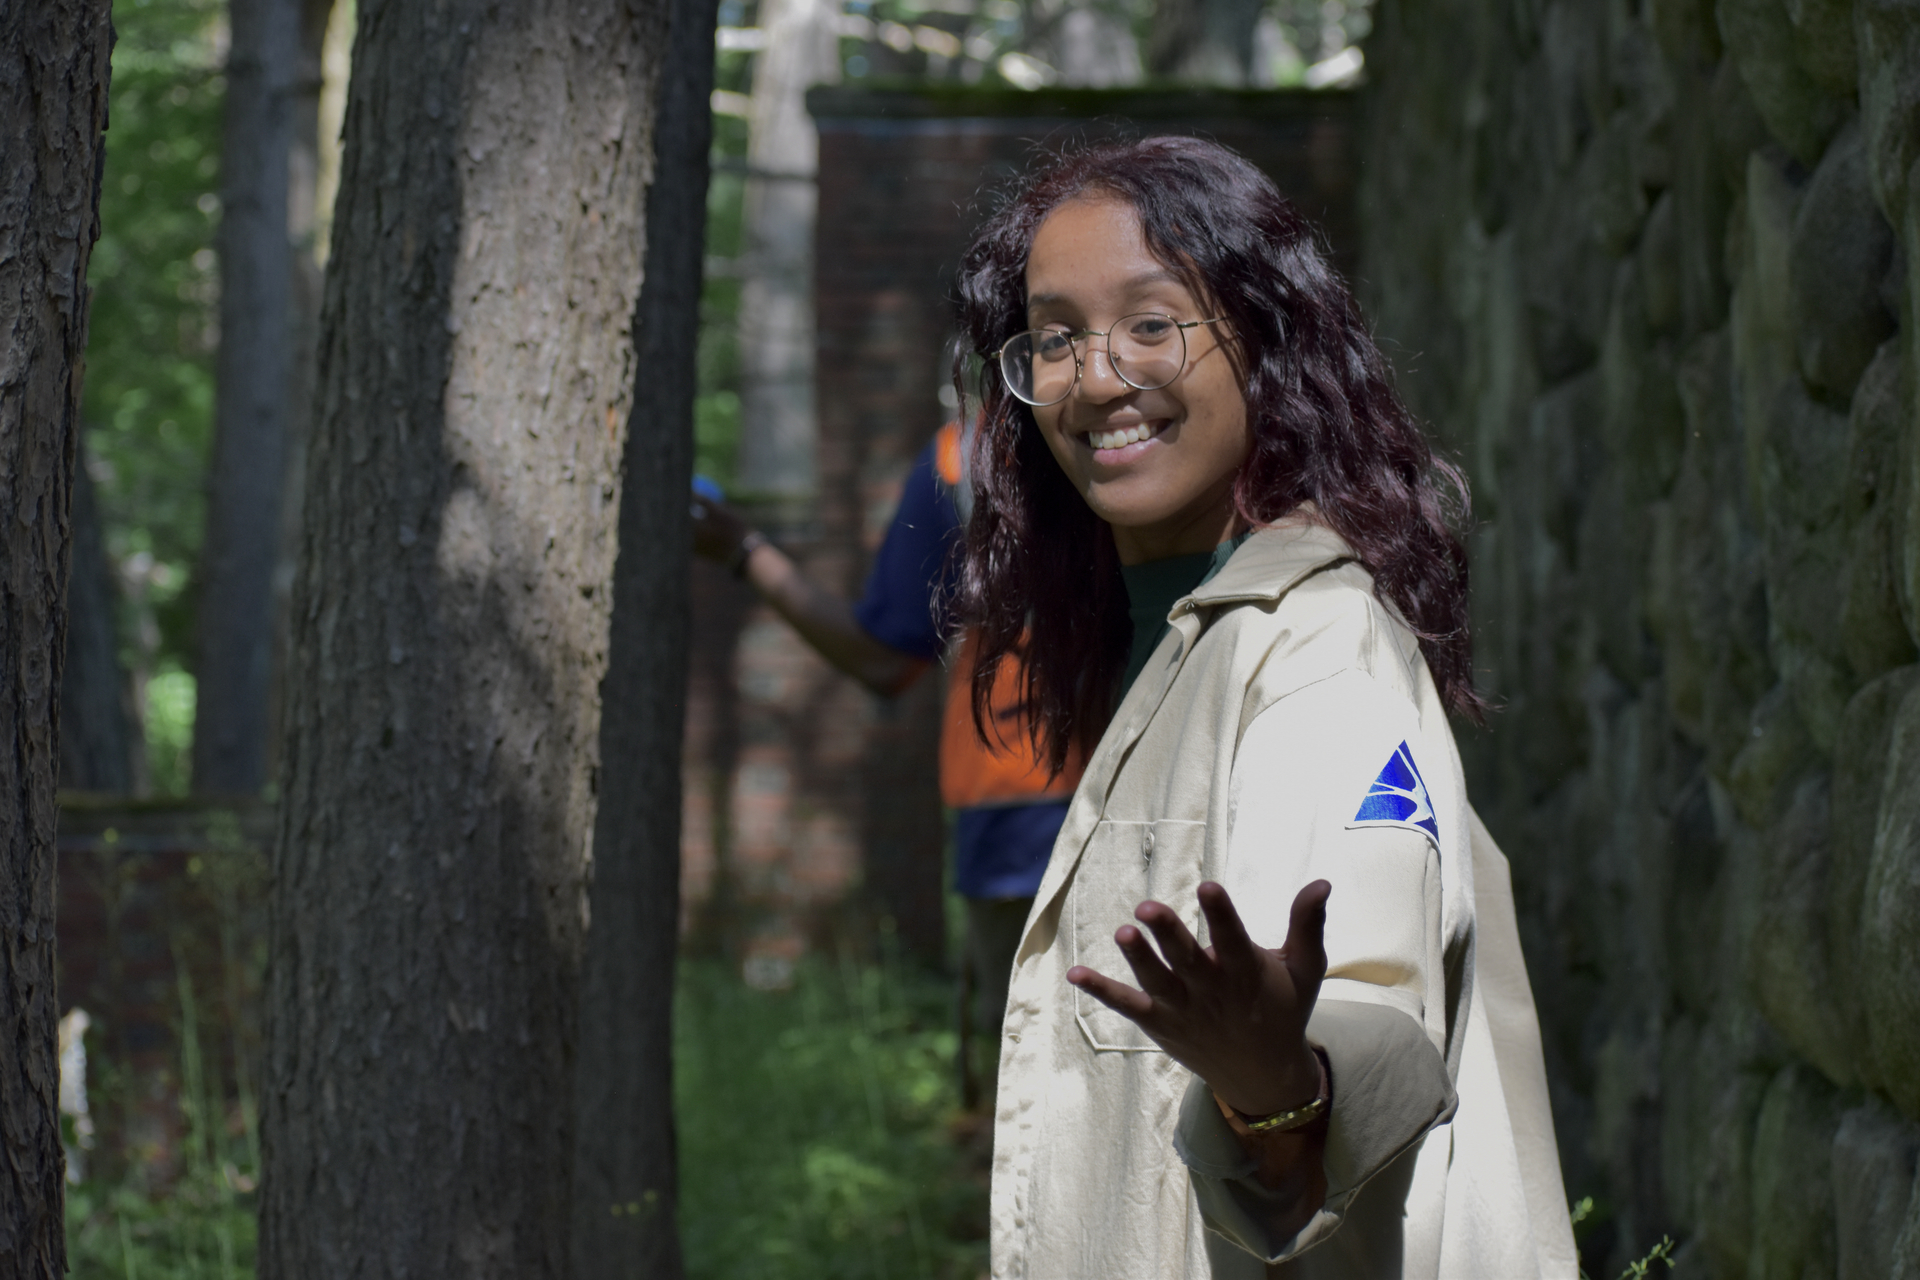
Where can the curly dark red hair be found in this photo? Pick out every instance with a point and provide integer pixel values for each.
(1040, 579)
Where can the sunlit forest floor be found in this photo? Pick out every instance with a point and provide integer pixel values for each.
(820, 1136)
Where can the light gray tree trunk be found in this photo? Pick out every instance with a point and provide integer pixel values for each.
(778, 433)
(625, 1202)
(441, 760)
(1206, 42)
(235, 662)
(96, 734)
(53, 105)
(1095, 49)
(1090, 45)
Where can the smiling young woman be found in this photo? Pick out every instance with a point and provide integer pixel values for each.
(1221, 549)
(1158, 465)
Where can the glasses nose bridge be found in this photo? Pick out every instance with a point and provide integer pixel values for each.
(1081, 360)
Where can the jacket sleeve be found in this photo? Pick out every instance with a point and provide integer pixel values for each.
(1334, 782)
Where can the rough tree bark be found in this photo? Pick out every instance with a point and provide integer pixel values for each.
(624, 1168)
(96, 735)
(234, 668)
(440, 764)
(53, 106)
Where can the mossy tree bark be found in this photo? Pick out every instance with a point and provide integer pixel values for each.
(53, 107)
(441, 756)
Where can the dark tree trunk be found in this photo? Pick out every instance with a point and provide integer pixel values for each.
(53, 106)
(235, 664)
(624, 1174)
(96, 739)
(475, 379)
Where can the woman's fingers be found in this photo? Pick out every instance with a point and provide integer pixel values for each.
(1117, 996)
(1176, 944)
(1148, 970)
(1231, 944)
(1306, 951)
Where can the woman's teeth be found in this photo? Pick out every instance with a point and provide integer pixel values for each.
(1122, 438)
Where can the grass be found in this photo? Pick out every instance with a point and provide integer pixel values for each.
(817, 1128)
(817, 1138)
(203, 1229)
(203, 1226)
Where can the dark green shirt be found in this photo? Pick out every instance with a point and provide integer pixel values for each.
(1152, 589)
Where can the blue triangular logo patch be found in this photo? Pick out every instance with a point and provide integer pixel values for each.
(1398, 798)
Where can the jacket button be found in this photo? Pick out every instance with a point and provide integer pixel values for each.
(1146, 846)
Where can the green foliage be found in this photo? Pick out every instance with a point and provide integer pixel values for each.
(814, 1132)
(168, 717)
(814, 1128)
(1584, 1214)
(716, 434)
(149, 377)
(1662, 1252)
(1312, 30)
(202, 1224)
(716, 422)
(202, 1230)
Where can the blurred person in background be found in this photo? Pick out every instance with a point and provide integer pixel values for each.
(1008, 805)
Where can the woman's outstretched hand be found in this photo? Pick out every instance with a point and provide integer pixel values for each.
(1235, 1013)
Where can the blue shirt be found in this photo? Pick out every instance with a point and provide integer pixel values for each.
(905, 605)
(999, 851)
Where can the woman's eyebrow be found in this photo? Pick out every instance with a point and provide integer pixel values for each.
(1144, 280)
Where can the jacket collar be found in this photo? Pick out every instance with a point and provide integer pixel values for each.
(1269, 564)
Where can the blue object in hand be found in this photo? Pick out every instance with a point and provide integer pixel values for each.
(706, 488)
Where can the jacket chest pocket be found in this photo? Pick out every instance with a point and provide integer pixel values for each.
(1125, 864)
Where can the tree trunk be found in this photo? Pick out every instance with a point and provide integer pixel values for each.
(96, 736)
(475, 381)
(53, 106)
(304, 223)
(255, 362)
(778, 434)
(1094, 48)
(1203, 41)
(625, 1206)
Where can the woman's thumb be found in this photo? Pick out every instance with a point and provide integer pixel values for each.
(1306, 950)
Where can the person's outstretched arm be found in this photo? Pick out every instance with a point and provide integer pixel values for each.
(824, 620)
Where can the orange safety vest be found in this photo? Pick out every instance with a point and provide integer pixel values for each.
(973, 773)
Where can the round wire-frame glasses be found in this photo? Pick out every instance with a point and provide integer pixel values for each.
(1147, 350)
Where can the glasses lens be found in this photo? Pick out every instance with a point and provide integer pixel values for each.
(1148, 350)
(1039, 366)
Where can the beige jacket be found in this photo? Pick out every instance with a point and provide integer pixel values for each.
(1286, 729)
